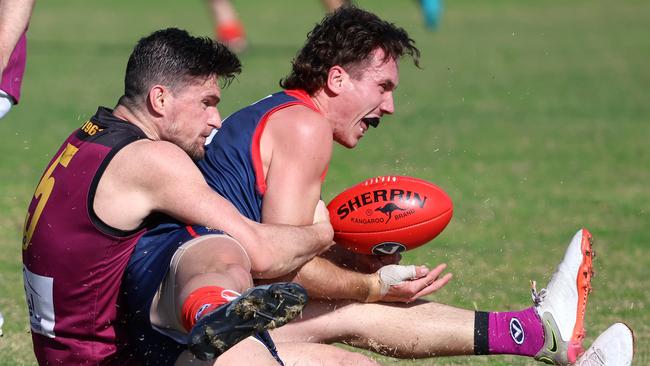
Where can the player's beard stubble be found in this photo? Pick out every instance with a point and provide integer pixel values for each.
(195, 149)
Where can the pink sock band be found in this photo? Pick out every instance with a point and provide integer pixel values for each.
(515, 333)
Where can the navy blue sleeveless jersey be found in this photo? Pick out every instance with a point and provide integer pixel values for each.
(233, 165)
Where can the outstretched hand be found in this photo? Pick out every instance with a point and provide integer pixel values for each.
(408, 283)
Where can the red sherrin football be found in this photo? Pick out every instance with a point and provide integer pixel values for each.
(386, 215)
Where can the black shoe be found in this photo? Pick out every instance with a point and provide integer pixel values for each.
(256, 310)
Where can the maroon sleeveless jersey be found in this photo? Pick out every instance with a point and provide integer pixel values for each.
(73, 263)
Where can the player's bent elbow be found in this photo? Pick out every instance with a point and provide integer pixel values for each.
(266, 264)
(260, 266)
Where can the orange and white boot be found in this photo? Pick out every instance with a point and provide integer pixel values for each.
(613, 347)
(562, 305)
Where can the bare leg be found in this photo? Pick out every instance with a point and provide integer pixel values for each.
(433, 329)
(332, 5)
(228, 28)
(219, 261)
(308, 354)
(246, 352)
(223, 11)
(251, 352)
(213, 260)
(14, 18)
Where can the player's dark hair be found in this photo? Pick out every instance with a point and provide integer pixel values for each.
(346, 37)
(172, 57)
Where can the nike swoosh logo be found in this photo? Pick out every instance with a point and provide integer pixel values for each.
(553, 347)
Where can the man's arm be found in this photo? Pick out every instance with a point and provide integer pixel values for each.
(148, 176)
(14, 17)
(392, 283)
(296, 147)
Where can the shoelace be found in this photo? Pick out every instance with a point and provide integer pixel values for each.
(594, 359)
(538, 297)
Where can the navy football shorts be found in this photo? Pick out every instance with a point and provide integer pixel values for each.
(145, 272)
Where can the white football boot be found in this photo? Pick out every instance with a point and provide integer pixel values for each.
(613, 347)
(561, 306)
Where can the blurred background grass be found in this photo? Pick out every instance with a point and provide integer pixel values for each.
(533, 116)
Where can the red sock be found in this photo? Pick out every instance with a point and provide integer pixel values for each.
(230, 31)
(202, 301)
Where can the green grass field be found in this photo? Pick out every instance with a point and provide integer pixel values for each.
(533, 116)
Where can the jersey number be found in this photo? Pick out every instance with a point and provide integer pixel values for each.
(43, 191)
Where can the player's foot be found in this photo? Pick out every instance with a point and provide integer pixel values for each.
(613, 347)
(562, 305)
(256, 310)
(232, 35)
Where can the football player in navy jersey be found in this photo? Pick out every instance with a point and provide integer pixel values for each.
(270, 158)
(124, 171)
(342, 83)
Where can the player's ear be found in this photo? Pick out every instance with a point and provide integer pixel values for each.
(157, 99)
(336, 78)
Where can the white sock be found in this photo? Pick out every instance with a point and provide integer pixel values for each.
(6, 101)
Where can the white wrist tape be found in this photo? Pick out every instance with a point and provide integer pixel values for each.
(394, 274)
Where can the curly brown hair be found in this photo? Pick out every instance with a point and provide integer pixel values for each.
(346, 37)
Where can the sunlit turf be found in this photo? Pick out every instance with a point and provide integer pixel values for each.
(532, 116)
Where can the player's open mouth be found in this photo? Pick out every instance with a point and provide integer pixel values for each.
(371, 121)
(363, 126)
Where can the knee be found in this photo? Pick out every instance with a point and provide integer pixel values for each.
(216, 253)
(218, 259)
(228, 251)
(240, 275)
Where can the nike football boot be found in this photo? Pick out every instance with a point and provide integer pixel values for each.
(613, 347)
(255, 311)
(562, 305)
